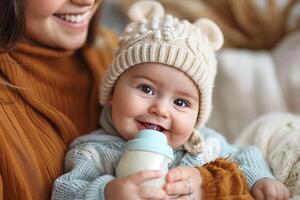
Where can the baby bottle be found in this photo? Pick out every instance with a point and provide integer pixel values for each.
(148, 151)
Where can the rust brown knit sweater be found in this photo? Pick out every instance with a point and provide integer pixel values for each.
(51, 100)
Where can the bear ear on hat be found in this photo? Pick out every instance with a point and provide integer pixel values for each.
(142, 10)
(212, 32)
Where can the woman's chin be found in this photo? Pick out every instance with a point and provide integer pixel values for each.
(71, 43)
(73, 46)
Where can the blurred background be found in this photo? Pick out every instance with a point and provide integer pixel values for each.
(259, 65)
(114, 16)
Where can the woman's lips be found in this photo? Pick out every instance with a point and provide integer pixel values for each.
(73, 18)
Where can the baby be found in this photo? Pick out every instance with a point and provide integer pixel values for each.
(161, 78)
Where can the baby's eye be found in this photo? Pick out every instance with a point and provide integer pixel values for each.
(181, 102)
(146, 89)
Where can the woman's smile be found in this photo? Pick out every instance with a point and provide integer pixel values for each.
(73, 18)
(77, 21)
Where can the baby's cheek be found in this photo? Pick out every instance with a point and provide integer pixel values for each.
(179, 138)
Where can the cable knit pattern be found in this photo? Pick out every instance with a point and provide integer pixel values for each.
(92, 160)
(278, 137)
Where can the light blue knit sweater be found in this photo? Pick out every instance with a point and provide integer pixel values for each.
(92, 160)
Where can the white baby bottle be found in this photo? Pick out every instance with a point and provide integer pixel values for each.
(148, 151)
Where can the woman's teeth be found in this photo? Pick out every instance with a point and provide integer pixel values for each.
(73, 18)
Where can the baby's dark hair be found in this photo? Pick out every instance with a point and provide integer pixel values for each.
(12, 23)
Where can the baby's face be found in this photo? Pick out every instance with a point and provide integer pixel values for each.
(158, 97)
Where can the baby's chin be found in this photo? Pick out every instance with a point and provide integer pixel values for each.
(174, 145)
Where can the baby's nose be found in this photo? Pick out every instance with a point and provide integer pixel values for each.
(160, 109)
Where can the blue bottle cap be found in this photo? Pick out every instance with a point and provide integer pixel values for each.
(151, 140)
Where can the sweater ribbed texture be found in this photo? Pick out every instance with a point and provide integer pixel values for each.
(92, 159)
(221, 185)
(53, 100)
(253, 170)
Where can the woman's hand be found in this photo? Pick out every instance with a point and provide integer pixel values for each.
(131, 187)
(184, 183)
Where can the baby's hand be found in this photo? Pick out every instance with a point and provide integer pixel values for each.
(184, 183)
(131, 187)
(269, 189)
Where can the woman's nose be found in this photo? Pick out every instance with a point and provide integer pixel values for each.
(84, 2)
(159, 109)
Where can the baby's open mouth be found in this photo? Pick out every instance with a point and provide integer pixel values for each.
(153, 126)
(73, 18)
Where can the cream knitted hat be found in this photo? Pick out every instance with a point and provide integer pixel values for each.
(155, 37)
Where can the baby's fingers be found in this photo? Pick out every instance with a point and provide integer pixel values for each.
(148, 192)
(177, 188)
(143, 176)
(185, 197)
(283, 193)
(270, 193)
(177, 174)
(258, 194)
(183, 173)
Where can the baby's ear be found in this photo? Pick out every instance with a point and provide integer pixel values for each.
(142, 10)
(211, 31)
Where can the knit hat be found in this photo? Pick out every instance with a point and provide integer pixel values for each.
(155, 37)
